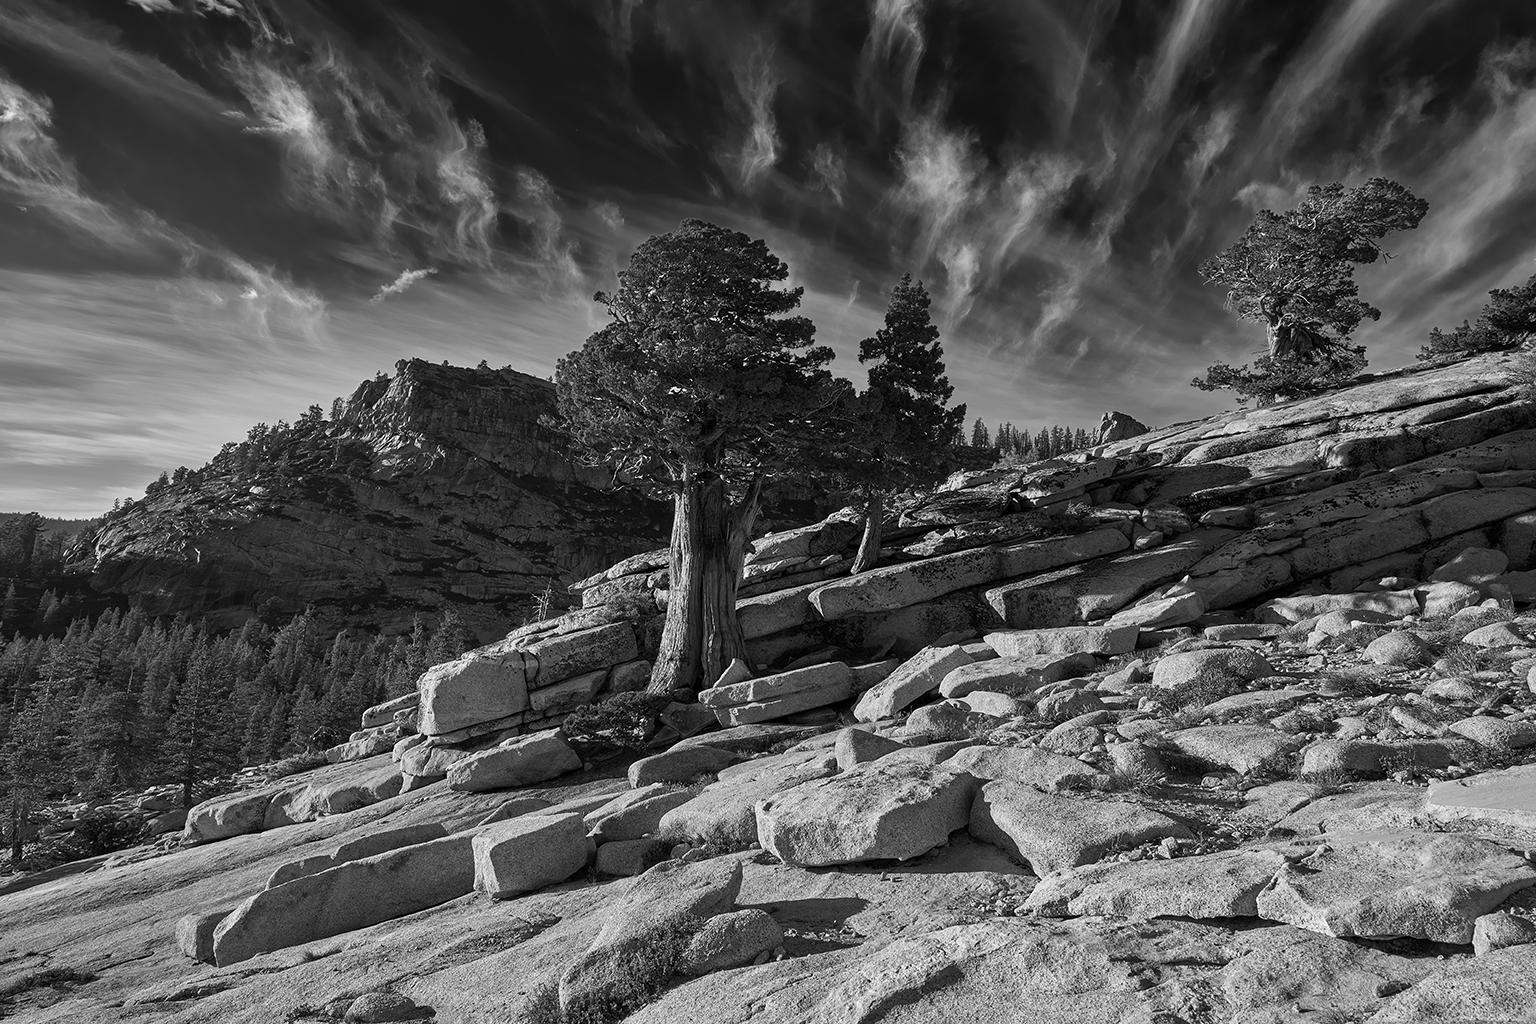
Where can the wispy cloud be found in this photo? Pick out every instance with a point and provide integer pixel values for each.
(829, 171)
(895, 45)
(401, 283)
(756, 83)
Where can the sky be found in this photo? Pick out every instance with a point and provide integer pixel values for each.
(217, 212)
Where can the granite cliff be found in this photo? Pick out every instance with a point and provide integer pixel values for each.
(436, 485)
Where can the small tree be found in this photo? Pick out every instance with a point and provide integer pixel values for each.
(700, 388)
(904, 435)
(1507, 321)
(1294, 272)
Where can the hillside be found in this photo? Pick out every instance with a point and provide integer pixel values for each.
(1231, 721)
(437, 486)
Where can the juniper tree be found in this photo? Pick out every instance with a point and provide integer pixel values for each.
(701, 388)
(1294, 272)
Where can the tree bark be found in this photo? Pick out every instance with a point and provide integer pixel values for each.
(677, 661)
(869, 545)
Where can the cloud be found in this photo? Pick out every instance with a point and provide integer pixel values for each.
(383, 155)
(553, 253)
(896, 42)
(401, 283)
(940, 174)
(756, 83)
(829, 171)
(610, 214)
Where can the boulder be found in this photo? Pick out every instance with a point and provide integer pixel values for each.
(625, 858)
(1027, 766)
(1473, 565)
(567, 655)
(529, 853)
(919, 675)
(1064, 705)
(620, 819)
(384, 1008)
(1499, 988)
(1216, 885)
(1051, 832)
(1442, 599)
(383, 714)
(949, 720)
(860, 746)
(659, 902)
(347, 897)
(1286, 610)
(1493, 635)
(1399, 649)
(1014, 676)
(518, 762)
(870, 812)
(194, 933)
(1105, 640)
(833, 677)
(1498, 733)
(721, 816)
(482, 686)
(731, 940)
(997, 705)
(1160, 612)
(1500, 930)
(227, 816)
(356, 849)
(680, 764)
(1388, 884)
(1242, 748)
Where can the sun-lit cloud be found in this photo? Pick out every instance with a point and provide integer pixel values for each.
(756, 83)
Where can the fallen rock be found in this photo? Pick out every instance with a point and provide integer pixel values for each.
(518, 762)
(1050, 832)
(860, 746)
(226, 816)
(1400, 649)
(870, 812)
(347, 897)
(1495, 634)
(1242, 748)
(917, 676)
(1473, 566)
(1016, 677)
(1223, 668)
(1390, 884)
(1217, 885)
(680, 764)
(1105, 640)
(529, 852)
(731, 940)
(721, 816)
(1498, 733)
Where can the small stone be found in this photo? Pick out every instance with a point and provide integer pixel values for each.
(1495, 634)
(382, 1008)
(731, 940)
(1399, 650)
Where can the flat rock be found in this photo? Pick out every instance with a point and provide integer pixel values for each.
(1502, 799)
(1015, 676)
(680, 764)
(347, 897)
(1216, 885)
(1105, 640)
(721, 816)
(484, 685)
(519, 762)
(1242, 748)
(860, 746)
(1051, 832)
(919, 675)
(1499, 988)
(870, 812)
(832, 677)
(1498, 733)
(1495, 634)
(1389, 884)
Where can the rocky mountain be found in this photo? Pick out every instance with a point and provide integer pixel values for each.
(437, 485)
(1230, 721)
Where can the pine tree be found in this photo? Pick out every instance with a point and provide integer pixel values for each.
(451, 638)
(201, 740)
(980, 437)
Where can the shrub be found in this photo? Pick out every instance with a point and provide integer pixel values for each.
(97, 832)
(627, 980)
(293, 765)
(624, 721)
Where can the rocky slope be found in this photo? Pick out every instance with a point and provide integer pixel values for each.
(1228, 722)
(439, 484)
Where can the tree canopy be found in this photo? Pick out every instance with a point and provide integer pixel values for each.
(1507, 321)
(701, 387)
(1294, 272)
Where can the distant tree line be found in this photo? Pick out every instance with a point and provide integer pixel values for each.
(1017, 444)
(125, 701)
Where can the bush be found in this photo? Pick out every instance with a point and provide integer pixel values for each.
(629, 979)
(1275, 379)
(293, 765)
(624, 721)
(97, 832)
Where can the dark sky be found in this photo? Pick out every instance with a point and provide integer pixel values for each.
(214, 212)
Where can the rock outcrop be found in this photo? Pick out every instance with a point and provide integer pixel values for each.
(439, 485)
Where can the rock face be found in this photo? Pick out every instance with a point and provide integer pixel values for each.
(438, 484)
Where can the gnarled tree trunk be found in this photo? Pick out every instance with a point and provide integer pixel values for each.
(702, 635)
(869, 544)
